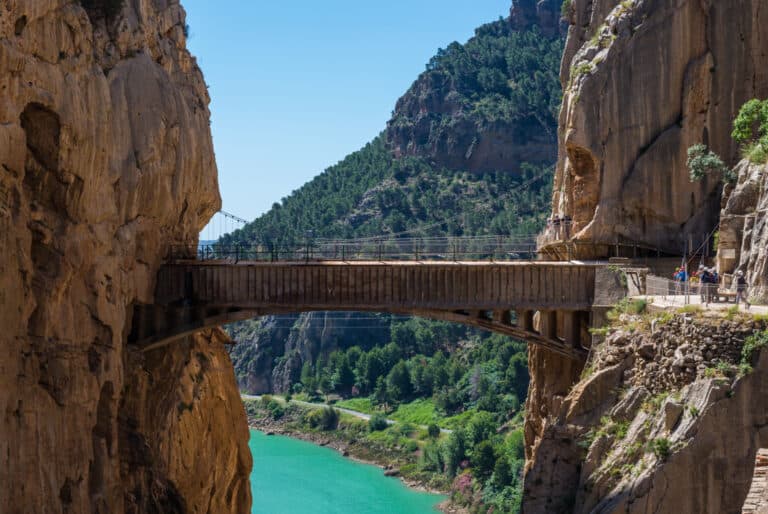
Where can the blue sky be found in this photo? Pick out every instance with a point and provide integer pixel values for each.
(298, 85)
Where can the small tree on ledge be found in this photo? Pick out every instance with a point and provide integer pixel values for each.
(702, 162)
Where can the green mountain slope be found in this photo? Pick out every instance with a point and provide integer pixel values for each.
(469, 151)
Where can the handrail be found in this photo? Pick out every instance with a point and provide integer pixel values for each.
(449, 249)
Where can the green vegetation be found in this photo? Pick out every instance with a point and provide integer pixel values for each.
(653, 404)
(323, 419)
(478, 457)
(500, 77)
(565, 9)
(364, 405)
(752, 346)
(627, 306)
(661, 447)
(690, 309)
(702, 162)
(473, 390)
(370, 193)
(377, 423)
(750, 129)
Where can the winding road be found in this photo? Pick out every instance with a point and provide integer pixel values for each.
(357, 414)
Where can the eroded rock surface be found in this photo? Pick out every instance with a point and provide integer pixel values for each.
(106, 159)
(744, 228)
(661, 422)
(644, 80)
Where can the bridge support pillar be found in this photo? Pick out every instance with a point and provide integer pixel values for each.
(502, 317)
(571, 328)
(548, 324)
(525, 320)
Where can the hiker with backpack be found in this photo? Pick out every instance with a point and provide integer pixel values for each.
(741, 289)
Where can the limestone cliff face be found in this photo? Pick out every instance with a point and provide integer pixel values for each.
(744, 228)
(105, 159)
(662, 422)
(644, 80)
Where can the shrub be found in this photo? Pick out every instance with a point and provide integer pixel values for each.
(752, 345)
(433, 430)
(702, 162)
(324, 419)
(377, 422)
(750, 129)
(565, 9)
(661, 447)
(275, 409)
(755, 153)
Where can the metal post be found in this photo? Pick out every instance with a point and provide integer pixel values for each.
(685, 271)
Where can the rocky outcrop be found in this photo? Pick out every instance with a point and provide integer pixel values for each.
(105, 159)
(744, 228)
(664, 420)
(544, 14)
(456, 118)
(644, 80)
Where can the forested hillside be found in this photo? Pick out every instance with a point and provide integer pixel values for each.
(469, 151)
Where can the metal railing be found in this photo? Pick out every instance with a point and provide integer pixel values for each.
(479, 248)
(692, 292)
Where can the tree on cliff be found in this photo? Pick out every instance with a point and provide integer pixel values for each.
(750, 129)
(703, 162)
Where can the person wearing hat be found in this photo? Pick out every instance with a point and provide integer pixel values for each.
(741, 289)
(697, 278)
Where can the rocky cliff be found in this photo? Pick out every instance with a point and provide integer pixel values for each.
(667, 418)
(105, 159)
(744, 228)
(644, 80)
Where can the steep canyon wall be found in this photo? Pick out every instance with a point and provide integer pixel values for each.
(643, 81)
(106, 158)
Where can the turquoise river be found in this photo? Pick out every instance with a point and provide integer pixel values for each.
(294, 477)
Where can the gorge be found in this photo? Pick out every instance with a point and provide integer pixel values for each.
(106, 161)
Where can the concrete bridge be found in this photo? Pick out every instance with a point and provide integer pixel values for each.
(547, 303)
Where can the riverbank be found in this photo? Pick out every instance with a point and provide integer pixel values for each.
(394, 463)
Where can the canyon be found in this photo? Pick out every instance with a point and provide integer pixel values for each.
(106, 160)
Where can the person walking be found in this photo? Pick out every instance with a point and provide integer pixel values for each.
(677, 278)
(741, 289)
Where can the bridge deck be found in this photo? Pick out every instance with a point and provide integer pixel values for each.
(381, 285)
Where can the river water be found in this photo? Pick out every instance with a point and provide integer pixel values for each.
(295, 477)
